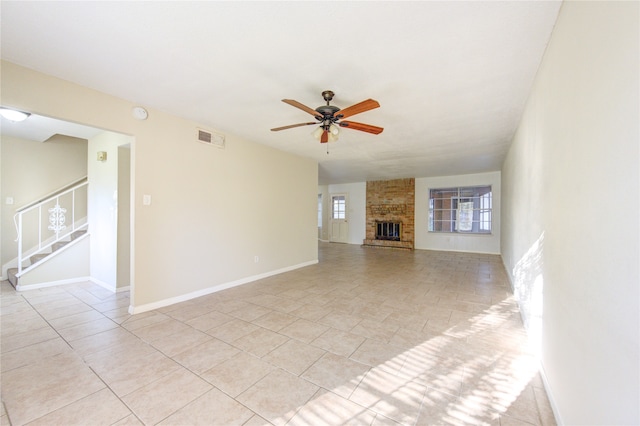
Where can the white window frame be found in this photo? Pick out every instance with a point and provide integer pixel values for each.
(341, 212)
(476, 208)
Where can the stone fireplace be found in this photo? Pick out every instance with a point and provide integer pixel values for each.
(390, 213)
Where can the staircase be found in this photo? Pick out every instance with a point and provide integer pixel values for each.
(48, 227)
(41, 257)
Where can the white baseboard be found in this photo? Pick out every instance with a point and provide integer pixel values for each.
(105, 285)
(552, 400)
(543, 374)
(51, 283)
(184, 297)
(96, 281)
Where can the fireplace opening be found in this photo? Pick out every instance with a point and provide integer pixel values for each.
(388, 231)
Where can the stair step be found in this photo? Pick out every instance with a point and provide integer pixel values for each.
(59, 245)
(78, 234)
(38, 257)
(11, 272)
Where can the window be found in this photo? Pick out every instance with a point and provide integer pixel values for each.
(464, 210)
(339, 207)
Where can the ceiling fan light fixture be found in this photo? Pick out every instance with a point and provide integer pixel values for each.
(14, 115)
(332, 132)
(317, 133)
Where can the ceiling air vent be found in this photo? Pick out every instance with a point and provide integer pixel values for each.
(210, 138)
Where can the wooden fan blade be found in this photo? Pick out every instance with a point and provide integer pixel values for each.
(291, 126)
(325, 137)
(302, 107)
(362, 127)
(357, 108)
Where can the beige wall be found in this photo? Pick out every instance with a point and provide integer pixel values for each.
(323, 233)
(32, 169)
(123, 275)
(570, 213)
(213, 210)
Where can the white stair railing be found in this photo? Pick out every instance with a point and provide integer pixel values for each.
(71, 199)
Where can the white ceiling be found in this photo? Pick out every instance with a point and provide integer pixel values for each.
(452, 78)
(41, 129)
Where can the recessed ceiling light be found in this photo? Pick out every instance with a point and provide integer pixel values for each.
(14, 115)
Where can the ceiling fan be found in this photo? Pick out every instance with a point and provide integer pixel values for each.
(330, 118)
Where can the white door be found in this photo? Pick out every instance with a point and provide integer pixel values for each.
(339, 224)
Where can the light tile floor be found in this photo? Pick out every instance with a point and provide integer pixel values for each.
(366, 337)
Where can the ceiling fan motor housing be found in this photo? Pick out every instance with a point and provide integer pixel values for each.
(327, 110)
